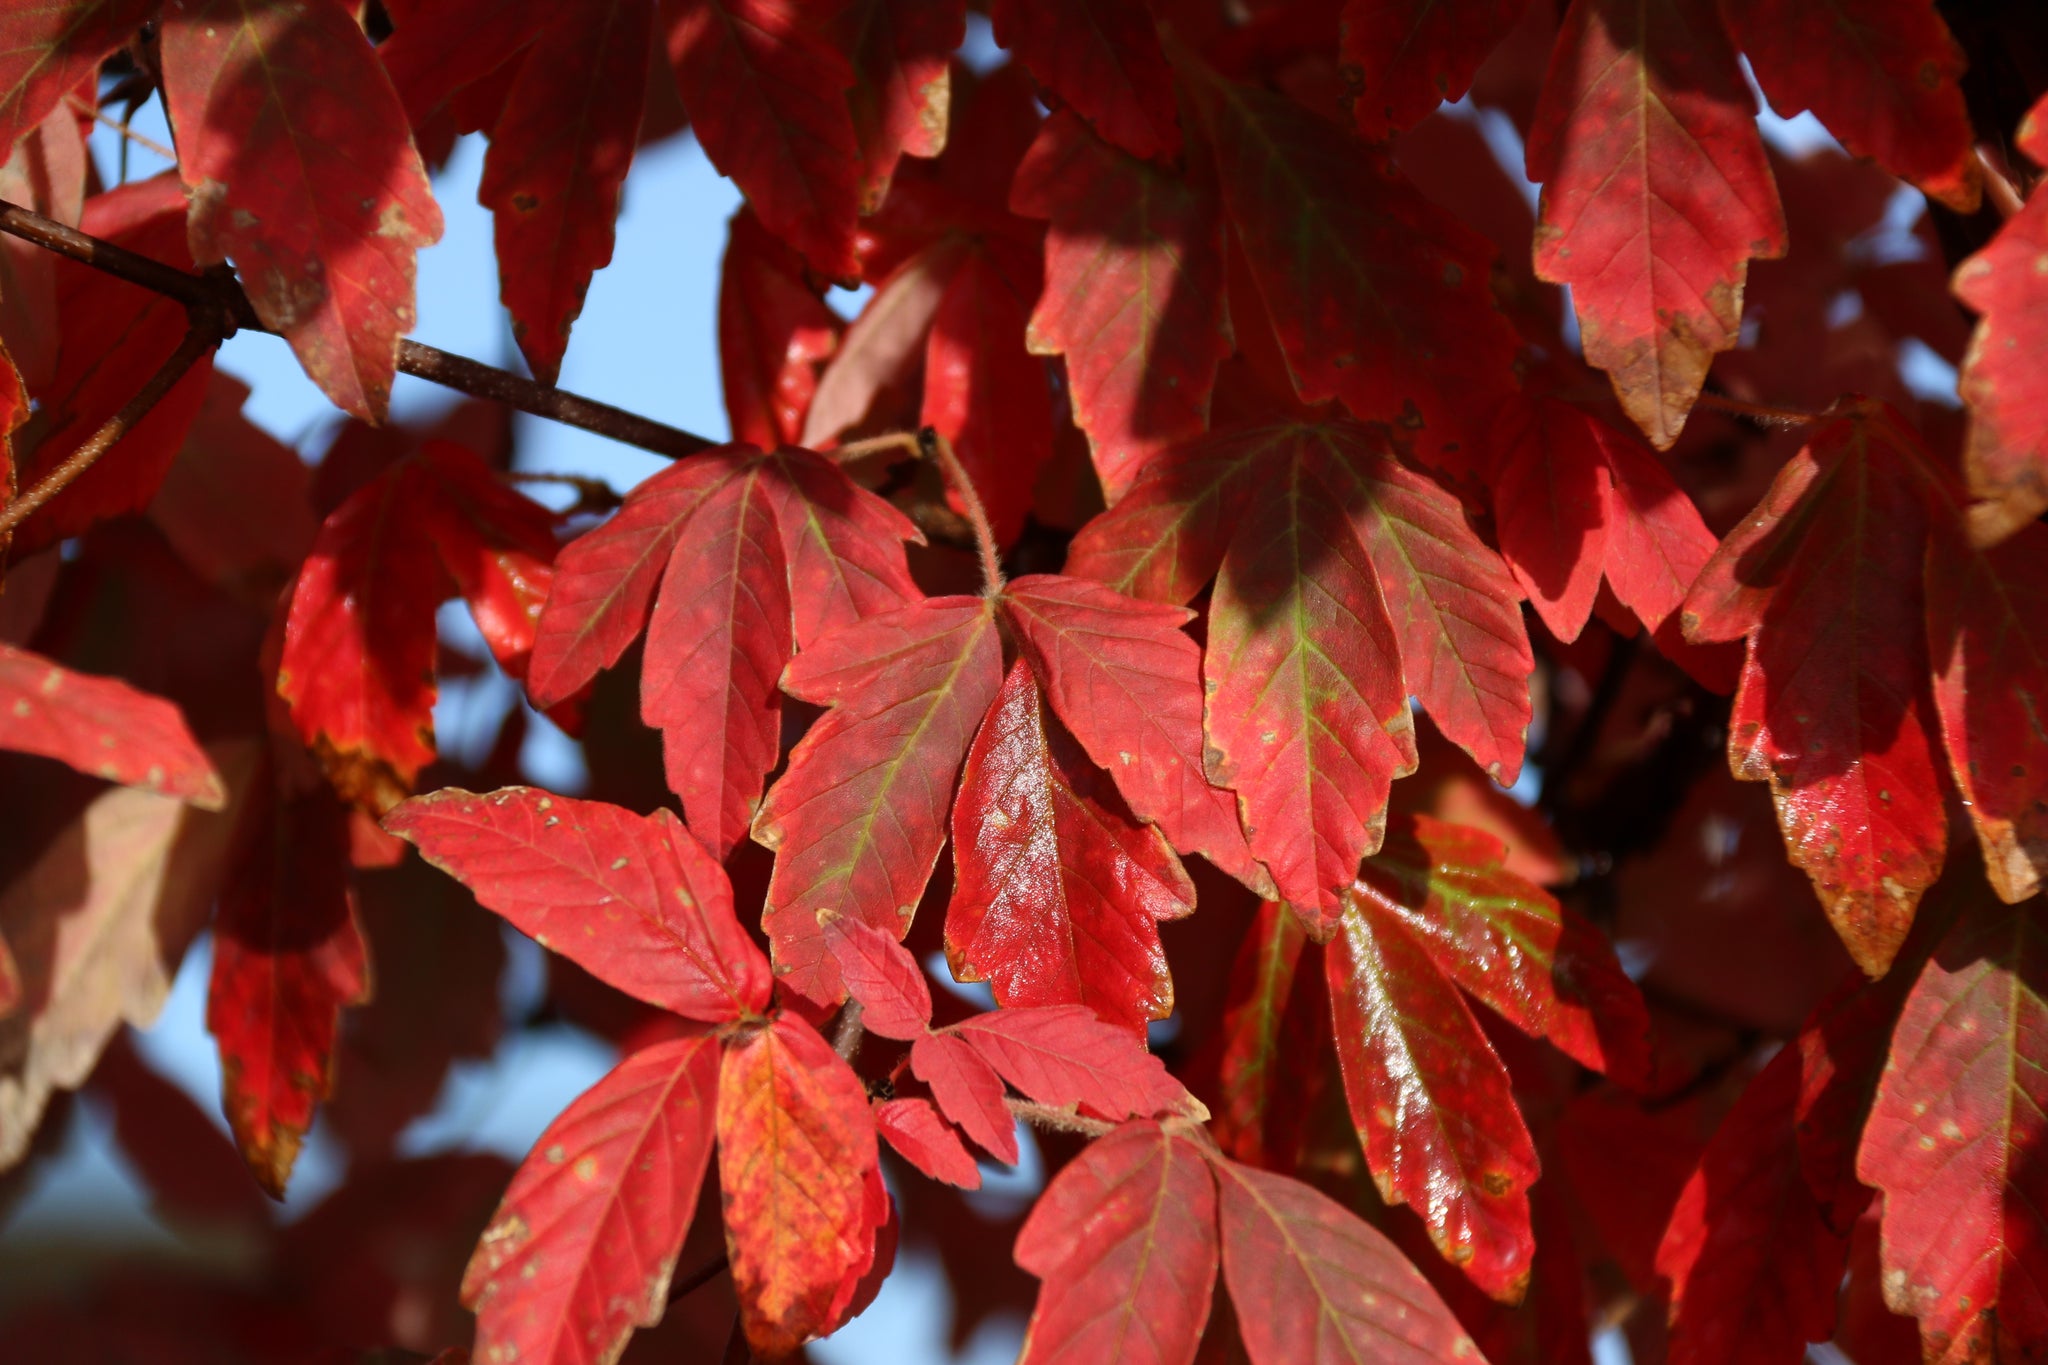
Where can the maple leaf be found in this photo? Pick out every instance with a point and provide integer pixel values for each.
(967, 1090)
(1266, 996)
(1435, 916)
(1313, 1283)
(881, 974)
(580, 1249)
(104, 727)
(287, 957)
(110, 332)
(558, 156)
(1885, 78)
(1306, 708)
(1952, 1137)
(1833, 708)
(884, 346)
(1432, 1101)
(728, 560)
(48, 51)
(634, 899)
(1057, 889)
(1063, 1055)
(902, 82)
(859, 815)
(1510, 944)
(1125, 1240)
(1576, 500)
(717, 640)
(766, 89)
(326, 241)
(1347, 582)
(1133, 293)
(358, 661)
(956, 277)
(1843, 1047)
(923, 1137)
(1401, 58)
(772, 330)
(1121, 676)
(1754, 1268)
(97, 924)
(986, 393)
(2006, 453)
(1102, 59)
(1656, 195)
(1377, 297)
(240, 517)
(1987, 632)
(796, 1156)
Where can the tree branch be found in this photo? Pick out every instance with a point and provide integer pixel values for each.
(1757, 412)
(1057, 1120)
(697, 1279)
(201, 337)
(846, 1038)
(218, 291)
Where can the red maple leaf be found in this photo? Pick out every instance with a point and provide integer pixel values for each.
(1656, 195)
(326, 244)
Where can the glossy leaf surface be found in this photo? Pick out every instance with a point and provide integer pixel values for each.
(1057, 889)
(862, 806)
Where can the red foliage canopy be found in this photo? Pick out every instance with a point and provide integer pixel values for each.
(1314, 642)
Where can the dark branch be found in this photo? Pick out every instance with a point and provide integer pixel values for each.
(218, 291)
(697, 1279)
(200, 338)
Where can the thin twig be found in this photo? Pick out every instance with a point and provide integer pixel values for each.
(425, 362)
(1757, 412)
(1057, 1120)
(936, 446)
(697, 1279)
(903, 442)
(846, 1040)
(1998, 187)
(121, 126)
(199, 339)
